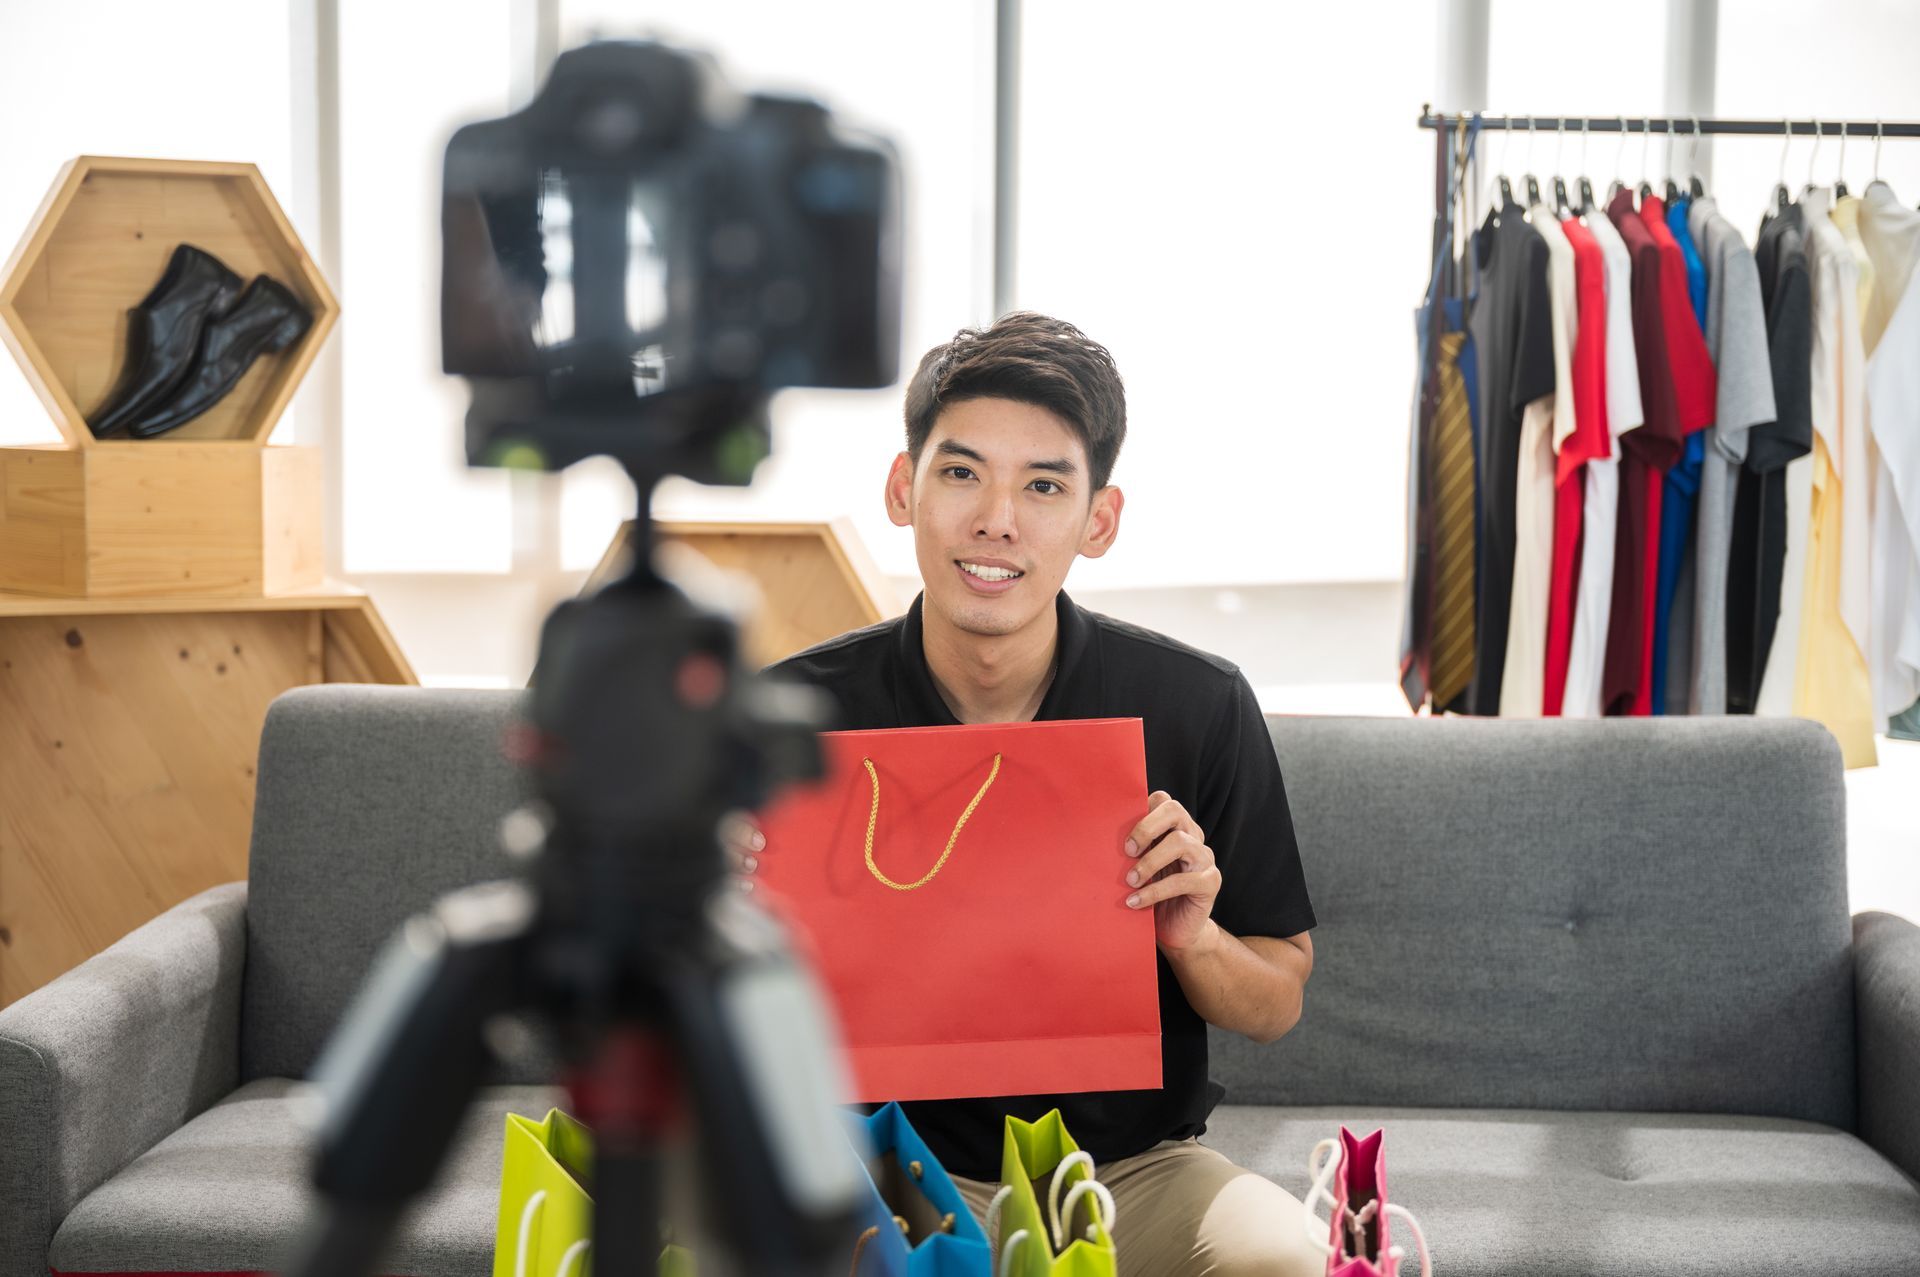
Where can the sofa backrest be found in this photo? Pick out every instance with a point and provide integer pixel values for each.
(1618, 915)
(371, 803)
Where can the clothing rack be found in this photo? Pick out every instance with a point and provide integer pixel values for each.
(1449, 130)
(1684, 126)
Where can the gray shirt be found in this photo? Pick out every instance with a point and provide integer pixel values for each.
(1737, 340)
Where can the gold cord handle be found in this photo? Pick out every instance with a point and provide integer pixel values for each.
(860, 1247)
(873, 819)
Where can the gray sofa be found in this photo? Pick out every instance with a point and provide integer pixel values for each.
(1596, 980)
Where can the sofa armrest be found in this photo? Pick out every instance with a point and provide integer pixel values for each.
(100, 1065)
(1886, 996)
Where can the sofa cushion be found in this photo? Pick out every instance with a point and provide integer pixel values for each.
(1642, 915)
(1612, 1194)
(226, 1192)
(372, 802)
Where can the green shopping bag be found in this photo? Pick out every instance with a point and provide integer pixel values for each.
(546, 1213)
(1074, 1238)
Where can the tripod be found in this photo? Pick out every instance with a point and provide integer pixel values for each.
(671, 1000)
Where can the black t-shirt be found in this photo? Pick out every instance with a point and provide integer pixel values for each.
(1513, 336)
(1758, 553)
(1207, 745)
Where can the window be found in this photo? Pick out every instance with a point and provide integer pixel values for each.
(922, 75)
(1235, 200)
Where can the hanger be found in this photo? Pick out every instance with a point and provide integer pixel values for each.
(1840, 181)
(1533, 183)
(1619, 153)
(1646, 142)
(1673, 187)
(1694, 183)
(1586, 187)
(1500, 169)
(1781, 197)
(1562, 207)
(1815, 155)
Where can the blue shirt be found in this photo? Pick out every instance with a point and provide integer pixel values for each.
(1683, 480)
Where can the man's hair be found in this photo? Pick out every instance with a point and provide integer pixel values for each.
(1033, 359)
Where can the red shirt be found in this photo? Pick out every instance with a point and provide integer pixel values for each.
(1588, 441)
(1646, 454)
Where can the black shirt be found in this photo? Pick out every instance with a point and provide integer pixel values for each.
(1207, 745)
(1757, 554)
(1513, 337)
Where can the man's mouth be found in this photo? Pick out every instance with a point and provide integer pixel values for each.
(986, 573)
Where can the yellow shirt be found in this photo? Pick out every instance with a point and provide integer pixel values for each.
(1831, 682)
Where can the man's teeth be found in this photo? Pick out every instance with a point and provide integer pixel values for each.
(989, 574)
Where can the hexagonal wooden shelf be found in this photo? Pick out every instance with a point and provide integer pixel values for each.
(816, 580)
(207, 509)
(101, 240)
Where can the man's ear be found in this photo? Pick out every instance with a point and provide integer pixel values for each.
(899, 493)
(1103, 523)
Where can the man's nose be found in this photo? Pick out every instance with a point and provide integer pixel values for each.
(995, 517)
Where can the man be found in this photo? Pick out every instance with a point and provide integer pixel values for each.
(1012, 433)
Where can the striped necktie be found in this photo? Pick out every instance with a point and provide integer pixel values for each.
(1452, 660)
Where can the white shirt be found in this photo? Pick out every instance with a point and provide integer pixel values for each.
(1593, 601)
(1891, 233)
(1546, 421)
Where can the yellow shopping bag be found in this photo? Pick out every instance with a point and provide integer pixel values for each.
(546, 1211)
(1075, 1236)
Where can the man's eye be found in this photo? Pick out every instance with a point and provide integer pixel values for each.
(960, 470)
(1052, 486)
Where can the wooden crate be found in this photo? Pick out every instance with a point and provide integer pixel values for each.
(102, 239)
(815, 580)
(154, 518)
(131, 730)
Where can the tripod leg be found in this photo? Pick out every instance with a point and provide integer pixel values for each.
(403, 1065)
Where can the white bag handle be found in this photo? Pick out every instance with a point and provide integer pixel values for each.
(572, 1257)
(1321, 1173)
(994, 1208)
(1086, 1188)
(527, 1213)
(1067, 1163)
(1400, 1252)
(1020, 1238)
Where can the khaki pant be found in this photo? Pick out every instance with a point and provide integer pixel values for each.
(1183, 1210)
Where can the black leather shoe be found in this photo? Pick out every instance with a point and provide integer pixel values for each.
(267, 317)
(163, 332)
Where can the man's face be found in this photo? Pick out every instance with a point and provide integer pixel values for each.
(1001, 487)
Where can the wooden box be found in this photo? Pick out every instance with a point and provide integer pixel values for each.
(815, 580)
(129, 733)
(206, 509)
(148, 519)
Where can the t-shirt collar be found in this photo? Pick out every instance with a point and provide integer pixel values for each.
(918, 701)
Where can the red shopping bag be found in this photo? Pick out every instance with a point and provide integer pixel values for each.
(961, 892)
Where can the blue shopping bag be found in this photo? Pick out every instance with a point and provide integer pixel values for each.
(916, 1223)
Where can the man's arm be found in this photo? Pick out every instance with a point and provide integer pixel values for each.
(1252, 986)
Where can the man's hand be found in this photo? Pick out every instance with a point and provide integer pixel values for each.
(742, 842)
(1176, 874)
